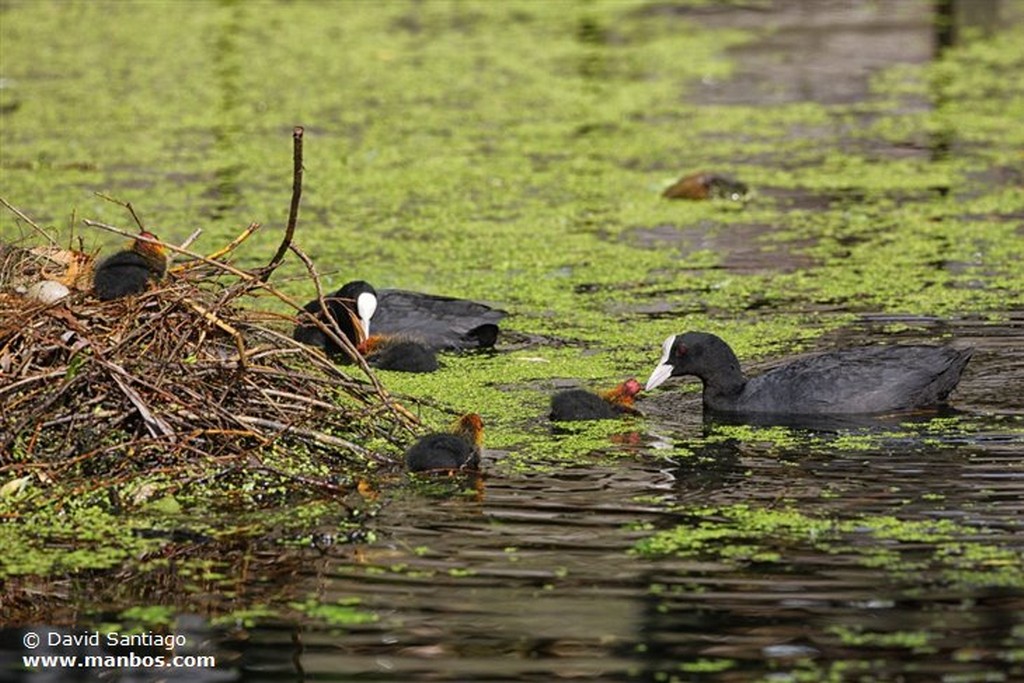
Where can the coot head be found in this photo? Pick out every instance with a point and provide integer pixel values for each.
(154, 253)
(471, 428)
(356, 301)
(351, 307)
(694, 353)
(624, 393)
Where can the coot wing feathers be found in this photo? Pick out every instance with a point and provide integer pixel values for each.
(872, 379)
(440, 322)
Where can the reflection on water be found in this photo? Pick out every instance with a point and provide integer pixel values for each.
(539, 578)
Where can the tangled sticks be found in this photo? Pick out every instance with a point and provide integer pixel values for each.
(191, 377)
(189, 369)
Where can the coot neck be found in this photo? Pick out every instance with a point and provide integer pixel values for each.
(723, 380)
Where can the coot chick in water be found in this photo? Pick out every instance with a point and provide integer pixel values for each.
(351, 307)
(436, 322)
(397, 354)
(456, 450)
(130, 271)
(862, 380)
(579, 404)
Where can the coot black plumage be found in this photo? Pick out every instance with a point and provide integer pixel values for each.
(862, 380)
(456, 450)
(440, 322)
(130, 272)
(579, 404)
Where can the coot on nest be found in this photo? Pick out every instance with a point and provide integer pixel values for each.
(130, 271)
(861, 380)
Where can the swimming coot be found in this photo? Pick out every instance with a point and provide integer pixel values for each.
(436, 322)
(130, 272)
(456, 450)
(579, 404)
(351, 307)
(400, 355)
(862, 380)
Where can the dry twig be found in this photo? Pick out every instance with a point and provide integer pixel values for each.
(293, 211)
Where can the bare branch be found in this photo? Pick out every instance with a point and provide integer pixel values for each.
(293, 211)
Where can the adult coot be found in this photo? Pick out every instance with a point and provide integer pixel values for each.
(456, 450)
(400, 355)
(436, 322)
(579, 404)
(862, 380)
(130, 271)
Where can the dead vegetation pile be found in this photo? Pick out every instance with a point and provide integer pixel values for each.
(193, 378)
(189, 370)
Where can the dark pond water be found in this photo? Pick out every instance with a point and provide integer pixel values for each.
(901, 564)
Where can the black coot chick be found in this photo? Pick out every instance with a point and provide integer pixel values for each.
(456, 450)
(397, 354)
(351, 307)
(579, 404)
(863, 380)
(130, 272)
(443, 323)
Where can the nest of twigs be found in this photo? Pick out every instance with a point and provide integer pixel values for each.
(193, 372)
